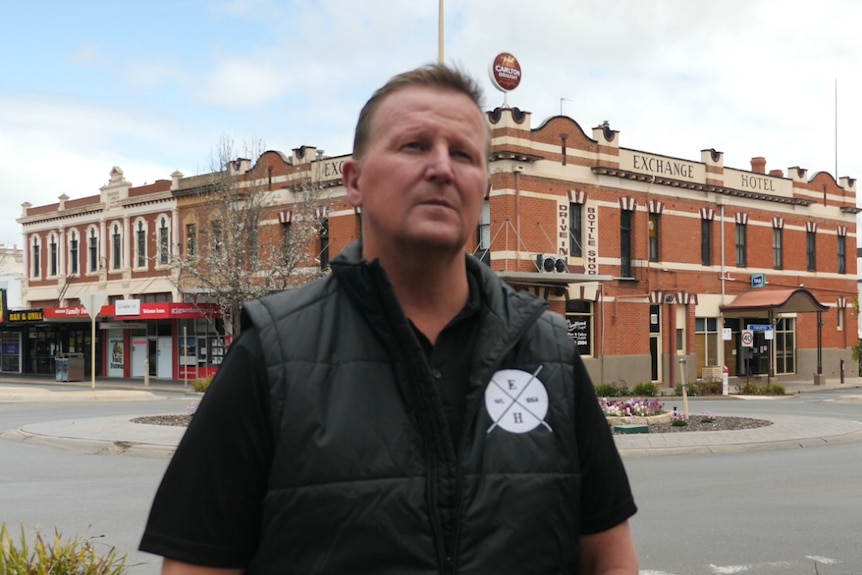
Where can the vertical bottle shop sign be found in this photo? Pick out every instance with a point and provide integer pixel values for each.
(591, 243)
(505, 72)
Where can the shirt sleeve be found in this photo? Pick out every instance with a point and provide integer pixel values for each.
(606, 496)
(207, 508)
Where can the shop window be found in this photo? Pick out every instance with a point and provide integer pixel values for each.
(579, 319)
(785, 346)
(706, 343)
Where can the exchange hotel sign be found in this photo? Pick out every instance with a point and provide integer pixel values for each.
(662, 166)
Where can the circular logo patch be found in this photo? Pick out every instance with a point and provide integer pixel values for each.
(517, 401)
(505, 72)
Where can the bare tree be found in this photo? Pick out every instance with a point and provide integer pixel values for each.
(235, 246)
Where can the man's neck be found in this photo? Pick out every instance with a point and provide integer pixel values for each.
(431, 291)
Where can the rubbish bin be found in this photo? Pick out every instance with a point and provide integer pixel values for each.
(69, 367)
(61, 364)
(76, 366)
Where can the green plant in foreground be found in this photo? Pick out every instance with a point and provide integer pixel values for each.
(55, 557)
(202, 383)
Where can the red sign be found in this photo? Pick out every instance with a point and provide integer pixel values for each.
(148, 311)
(505, 72)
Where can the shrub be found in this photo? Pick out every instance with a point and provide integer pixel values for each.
(749, 388)
(708, 387)
(691, 391)
(606, 390)
(202, 384)
(644, 389)
(774, 389)
(55, 557)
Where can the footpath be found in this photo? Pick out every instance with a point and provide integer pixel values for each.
(118, 435)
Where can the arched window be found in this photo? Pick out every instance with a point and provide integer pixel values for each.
(140, 245)
(116, 248)
(93, 250)
(73, 252)
(54, 256)
(164, 241)
(36, 258)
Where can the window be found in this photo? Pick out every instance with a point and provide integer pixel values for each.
(116, 249)
(141, 245)
(841, 314)
(785, 345)
(484, 234)
(217, 238)
(324, 243)
(741, 246)
(653, 237)
(811, 249)
(287, 241)
(626, 243)
(706, 242)
(778, 248)
(579, 319)
(576, 230)
(73, 253)
(93, 249)
(164, 242)
(706, 342)
(53, 247)
(842, 254)
(191, 240)
(36, 270)
(253, 244)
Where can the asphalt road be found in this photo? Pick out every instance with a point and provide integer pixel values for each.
(106, 498)
(759, 513)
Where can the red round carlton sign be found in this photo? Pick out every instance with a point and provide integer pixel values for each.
(505, 72)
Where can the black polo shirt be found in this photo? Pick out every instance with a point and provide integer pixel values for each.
(450, 357)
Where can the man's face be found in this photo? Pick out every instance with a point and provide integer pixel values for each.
(423, 178)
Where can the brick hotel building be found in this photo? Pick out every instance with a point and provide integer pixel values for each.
(666, 268)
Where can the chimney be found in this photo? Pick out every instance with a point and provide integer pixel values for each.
(777, 173)
(758, 165)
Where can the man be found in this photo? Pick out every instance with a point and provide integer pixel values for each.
(410, 413)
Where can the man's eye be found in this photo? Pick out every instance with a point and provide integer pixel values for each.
(414, 146)
(462, 155)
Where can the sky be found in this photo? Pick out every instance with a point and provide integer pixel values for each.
(154, 86)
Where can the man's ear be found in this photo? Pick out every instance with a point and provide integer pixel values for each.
(350, 175)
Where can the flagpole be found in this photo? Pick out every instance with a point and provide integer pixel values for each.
(440, 32)
(836, 129)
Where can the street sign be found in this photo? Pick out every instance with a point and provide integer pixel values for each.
(759, 327)
(758, 280)
(747, 338)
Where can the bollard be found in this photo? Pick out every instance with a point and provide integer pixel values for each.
(724, 382)
(146, 372)
(842, 371)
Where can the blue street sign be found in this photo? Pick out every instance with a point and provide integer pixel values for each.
(759, 327)
(758, 280)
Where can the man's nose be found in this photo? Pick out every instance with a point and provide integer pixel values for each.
(440, 166)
